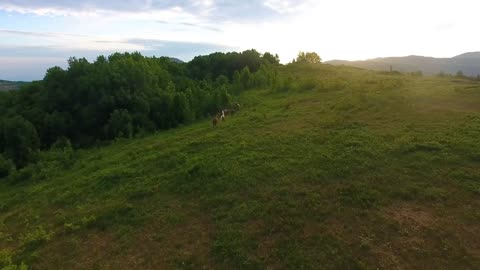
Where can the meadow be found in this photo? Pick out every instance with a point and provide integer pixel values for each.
(333, 168)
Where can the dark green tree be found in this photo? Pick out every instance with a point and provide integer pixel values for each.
(271, 59)
(21, 141)
(119, 125)
(6, 166)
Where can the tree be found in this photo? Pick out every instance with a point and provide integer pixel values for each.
(245, 77)
(460, 74)
(6, 167)
(309, 57)
(122, 95)
(21, 141)
(181, 107)
(271, 59)
(119, 124)
(55, 125)
(221, 80)
(442, 74)
(161, 111)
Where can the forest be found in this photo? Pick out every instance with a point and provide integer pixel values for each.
(122, 95)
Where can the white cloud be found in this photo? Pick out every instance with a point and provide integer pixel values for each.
(288, 6)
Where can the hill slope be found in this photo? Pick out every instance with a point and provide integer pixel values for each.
(8, 85)
(468, 63)
(349, 170)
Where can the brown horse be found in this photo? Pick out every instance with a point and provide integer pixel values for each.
(215, 121)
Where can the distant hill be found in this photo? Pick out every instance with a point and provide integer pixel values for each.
(468, 63)
(8, 85)
(175, 60)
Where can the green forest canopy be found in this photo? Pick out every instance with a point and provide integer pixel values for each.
(122, 95)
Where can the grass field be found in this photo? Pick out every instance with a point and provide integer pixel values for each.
(340, 169)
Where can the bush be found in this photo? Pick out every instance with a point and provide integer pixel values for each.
(62, 144)
(284, 85)
(119, 125)
(308, 84)
(6, 262)
(62, 152)
(6, 167)
(35, 238)
(21, 141)
(22, 175)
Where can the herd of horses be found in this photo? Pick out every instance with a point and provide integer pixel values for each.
(224, 113)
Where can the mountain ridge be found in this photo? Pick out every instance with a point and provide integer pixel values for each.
(468, 63)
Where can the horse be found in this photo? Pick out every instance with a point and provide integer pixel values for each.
(215, 121)
(222, 115)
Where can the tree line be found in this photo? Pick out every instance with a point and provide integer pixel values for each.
(120, 96)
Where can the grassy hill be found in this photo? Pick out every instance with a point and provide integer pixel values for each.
(468, 63)
(342, 169)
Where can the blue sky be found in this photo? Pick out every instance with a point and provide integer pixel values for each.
(37, 34)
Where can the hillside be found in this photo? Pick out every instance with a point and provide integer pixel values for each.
(8, 85)
(341, 168)
(468, 63)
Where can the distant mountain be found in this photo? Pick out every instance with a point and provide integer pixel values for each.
(468, 63)
(175, 60)
(471, 55)
(8, 85)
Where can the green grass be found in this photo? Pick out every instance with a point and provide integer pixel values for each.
(339, 168)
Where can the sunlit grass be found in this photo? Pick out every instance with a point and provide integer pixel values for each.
(339, 168)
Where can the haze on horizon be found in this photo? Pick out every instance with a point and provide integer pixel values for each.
(37, 34)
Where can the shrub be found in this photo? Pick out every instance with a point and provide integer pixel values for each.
(21, 141)
(35, 238)
(62, 152)
(119, 125)
(6, 167)
(22, 175)
(284, 85)
(6, 262)
(308, 84)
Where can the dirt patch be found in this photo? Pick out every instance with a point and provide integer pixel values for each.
(411, 216)
(187, 244)
(427, 238)
(80, 252)
(170, 243)
(409, 236)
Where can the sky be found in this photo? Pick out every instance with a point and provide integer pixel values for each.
(38, 34)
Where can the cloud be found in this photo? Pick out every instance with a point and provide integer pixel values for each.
(182, 50)
(26, 33)
(38, 34)
(164, 10)
(287, 6)
(444, 26)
